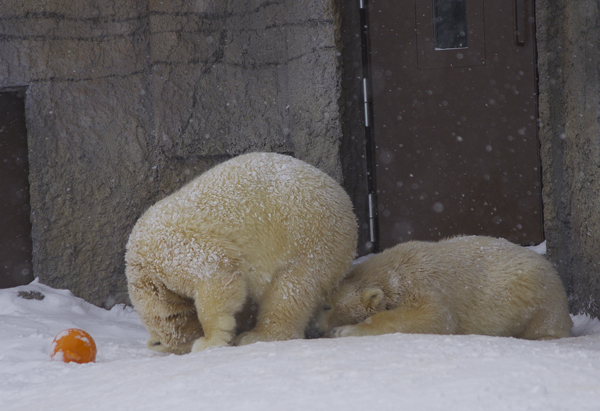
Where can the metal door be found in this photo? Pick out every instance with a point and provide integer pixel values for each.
(15, 225)
(454, 128)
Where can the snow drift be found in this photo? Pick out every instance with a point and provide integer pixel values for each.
(389, 372)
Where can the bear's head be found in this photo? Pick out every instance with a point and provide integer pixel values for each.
(353, 302)
(175, 334)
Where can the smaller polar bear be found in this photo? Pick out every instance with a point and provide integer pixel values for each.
(462, 285)
(261, 232)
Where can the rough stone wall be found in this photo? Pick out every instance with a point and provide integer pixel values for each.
(126, 100)
(569, 86)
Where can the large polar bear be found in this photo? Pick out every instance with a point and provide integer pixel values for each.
(261, 227)
(463, 285)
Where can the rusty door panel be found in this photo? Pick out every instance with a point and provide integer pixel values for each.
(454, 129)
(15, 232)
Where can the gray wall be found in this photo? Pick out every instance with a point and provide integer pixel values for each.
(128, 99)
(569, 110)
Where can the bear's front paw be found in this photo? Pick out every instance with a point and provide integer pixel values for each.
(203, 343)
(257, 335)
(155, 344)
(343, 331)
(247, 337)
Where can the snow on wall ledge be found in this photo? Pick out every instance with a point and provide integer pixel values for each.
(389, 372)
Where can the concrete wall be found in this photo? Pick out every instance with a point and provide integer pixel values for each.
(126, 100)
(569, 110)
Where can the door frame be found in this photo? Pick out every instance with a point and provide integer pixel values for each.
(367, 103)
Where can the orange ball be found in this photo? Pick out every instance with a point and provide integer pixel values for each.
(74, 345)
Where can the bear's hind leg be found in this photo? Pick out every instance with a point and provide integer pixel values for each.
(546, 324)
(218, 299)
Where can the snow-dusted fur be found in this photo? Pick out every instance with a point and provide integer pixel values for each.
(261, 227)
(463, 285)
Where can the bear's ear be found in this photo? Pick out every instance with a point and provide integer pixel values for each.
(373, 298)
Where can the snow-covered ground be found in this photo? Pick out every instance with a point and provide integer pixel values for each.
(390, 372)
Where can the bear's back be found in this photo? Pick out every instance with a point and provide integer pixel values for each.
(249, 190)
(500, 280)
(468, 273)
(264, 208)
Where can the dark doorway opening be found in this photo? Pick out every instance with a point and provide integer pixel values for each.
(454, 120)
(15, 232)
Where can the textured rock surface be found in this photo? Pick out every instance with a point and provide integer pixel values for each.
(127, 100)
(569, 85)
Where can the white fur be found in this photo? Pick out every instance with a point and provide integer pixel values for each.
(263, 227)
(463, 285)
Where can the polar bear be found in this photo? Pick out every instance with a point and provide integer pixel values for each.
(261, 229)
(462, 285)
